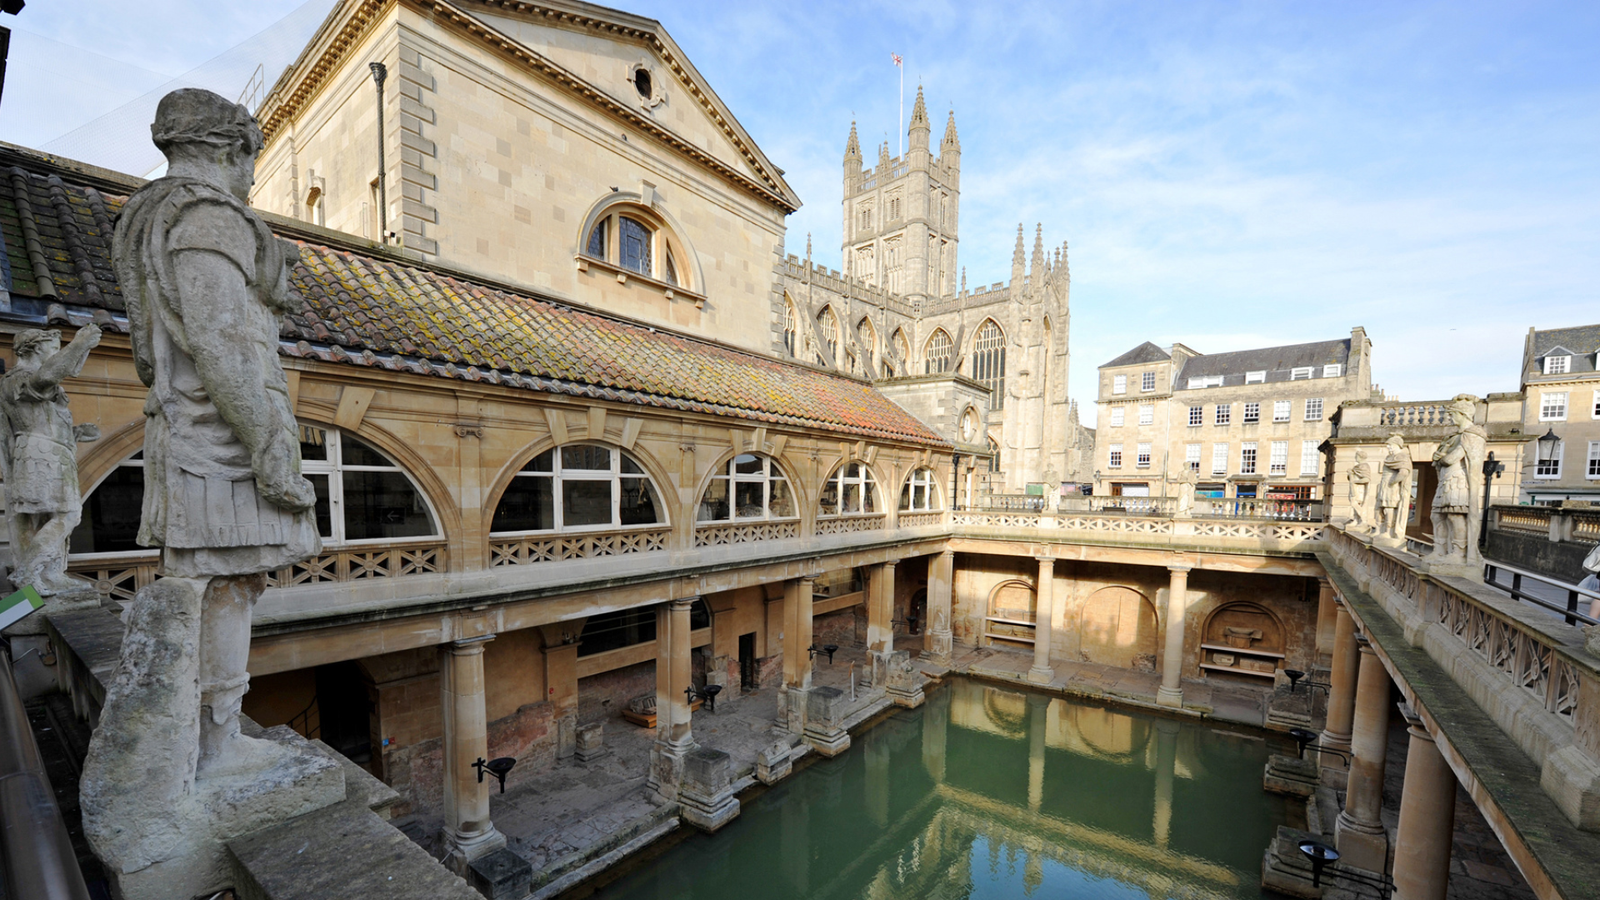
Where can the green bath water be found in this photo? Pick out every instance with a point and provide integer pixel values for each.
(991, 793)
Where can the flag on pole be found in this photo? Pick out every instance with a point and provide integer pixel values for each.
(14, 607)
(897, 59)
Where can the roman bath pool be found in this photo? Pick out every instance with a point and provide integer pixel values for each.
(987, 792)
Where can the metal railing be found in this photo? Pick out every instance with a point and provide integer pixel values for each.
(1574, 594)
(36, 852)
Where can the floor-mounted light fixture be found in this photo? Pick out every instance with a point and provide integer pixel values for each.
(1294, 676)
(1321, 856)
(1307, 740)
(499, 767)
(825, 648)
(708, 694)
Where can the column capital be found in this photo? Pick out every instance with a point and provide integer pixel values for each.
(1414, 723)
(682, 603)
(1177, 568)
(1364, 643)
(947, 552)
(467, 646)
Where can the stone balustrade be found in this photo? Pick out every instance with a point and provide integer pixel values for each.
(1546, 539)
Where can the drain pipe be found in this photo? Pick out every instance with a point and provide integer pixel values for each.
(379, 73)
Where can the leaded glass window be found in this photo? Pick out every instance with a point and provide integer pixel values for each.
(989, 361)
(936, 355)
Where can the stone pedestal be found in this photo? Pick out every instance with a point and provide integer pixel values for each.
(592, 742)
(1171, 691)
(773, 764)
(706, 798)
(824, 728)
(904, 682)
(1289, 707)
(1291, 775)
(500, 875)
(1043, 623)
(1286, 870)
(1359, 834)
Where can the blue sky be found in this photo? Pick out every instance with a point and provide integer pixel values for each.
(1229, 175)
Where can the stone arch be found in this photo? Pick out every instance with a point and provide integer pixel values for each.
(690, 276)
(1245, 628)
(671, 505)
(1118, 626)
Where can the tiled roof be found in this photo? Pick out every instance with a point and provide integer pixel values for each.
(1277, 362)
(1580, 341)
(1144, 353)
(368, 311)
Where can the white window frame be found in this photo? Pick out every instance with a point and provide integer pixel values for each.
(558, 475)
(1114, 457)
(1552, 409)
(1593, 470)
(1257, 377)
(334, 467)
(1333, 370)
(1219, 459)
(1550, 468)
(1310, 459)
(1595, 413)
(1557, 365)
(770, 472)
(1119, 384)
(1223, 414)
(1147, 382)
(866, 485)
(1118, 416)
(1142, 461)
(1313, 409)
(1278, 460)
(923, 481)
(1282, 410)
(1191, 456)
(1147, 414)
(1301, 373)
(1205, 381)
(1247, 458)
(1252, 414)
(1197, 416)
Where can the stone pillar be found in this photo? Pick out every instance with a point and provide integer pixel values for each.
(796, 654)
(1342, 694)
(1360, 835)
(1171, 691)
(1166, 768)
(674, 726)
(1037, 709)
(1043, 622)
(468, 833)
(1327, 616)
(941, 587)
(1427, 819)
(880, 616)
(935, 722)
(561, 681)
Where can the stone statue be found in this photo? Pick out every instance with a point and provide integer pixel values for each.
(38, 458)
(1360, 478)
(1394, 493)
(1186, 479)
(206, 284)
(1459, 464)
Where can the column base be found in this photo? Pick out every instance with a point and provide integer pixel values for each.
(1290, 775)
(1360, 844)
(940, 645)
(462, 850)
(706, 800)
(667, 769)
(1286, 870)
(1041, 675)
(1172, 697)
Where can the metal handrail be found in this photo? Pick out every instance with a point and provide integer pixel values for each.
(1569, 612)
(34, 847)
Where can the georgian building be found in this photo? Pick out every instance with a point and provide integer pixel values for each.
(1561, 388)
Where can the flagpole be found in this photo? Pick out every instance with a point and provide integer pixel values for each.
(902, 129)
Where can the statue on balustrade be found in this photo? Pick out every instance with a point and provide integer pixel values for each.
(1360, 481)
(206, 285)
(40, 463)
(1186, 480)
(1456, 506)
(1394, 493)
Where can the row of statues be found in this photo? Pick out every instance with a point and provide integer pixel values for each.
(1458, 463)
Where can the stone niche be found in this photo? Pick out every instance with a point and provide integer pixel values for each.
(1243, 639)
(1118, 628)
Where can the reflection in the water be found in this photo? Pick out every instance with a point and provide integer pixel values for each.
(985, 792)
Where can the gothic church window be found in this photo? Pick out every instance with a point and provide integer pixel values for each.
(936, 355)
(868, 336)
(901, 349)
(989, 361)
(791, 325)
(828, 331)
(578, 487)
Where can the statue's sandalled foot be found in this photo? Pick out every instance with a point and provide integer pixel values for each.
(232, 755)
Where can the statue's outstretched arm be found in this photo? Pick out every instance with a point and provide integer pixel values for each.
(68, 361)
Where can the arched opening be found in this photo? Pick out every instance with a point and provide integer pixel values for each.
(989, 361)
(791, 326)
(639, 239)
(750, 486)
(920, 493)
(1242, 639)
(850, 491)
(1012, 609)
(936, 352)
(868, 336)
(1117, 627)
(578, 487)
(831, 337)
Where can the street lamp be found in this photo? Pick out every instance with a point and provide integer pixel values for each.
(1492, 469)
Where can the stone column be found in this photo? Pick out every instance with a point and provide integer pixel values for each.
(1327, 616)
(1166, 769)
(1427, 819)
(468, 833)
(674, 731)
(1360, 835)
(935, 722)
(1043, 622)
(796, 654)
(1171, 691)
(941, 587)
(880, 620)
(1038, 708)
(1342, 694)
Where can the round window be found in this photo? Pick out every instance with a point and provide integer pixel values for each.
(641, 82)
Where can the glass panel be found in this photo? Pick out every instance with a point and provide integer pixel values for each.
(111, 514)
(870, 503)
(635, 246)
(638, 502)
(354, 452)
(585, 503)
(584, 456)
(324, 507)
(629, 467)
(383, 505)
(672, 270)
(905, 496)
(747, 502)
(313, 442)
(747, 464)
(714, 505)
(829, 501)
(852, 497)
(597, 240)
(527, 505)
(781, 502)
(541, 463)
(919, 497)
(853, 470)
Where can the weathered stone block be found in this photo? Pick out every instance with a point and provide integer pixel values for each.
(773, 764)
(592, 742)
(1288, 871)
(904, 682)
(706, 798)
(824, 728)
(1291, 775)
(501, 875)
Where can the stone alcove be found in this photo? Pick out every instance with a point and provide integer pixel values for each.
(1011, 615)
(1242, 639)
(1117, 627)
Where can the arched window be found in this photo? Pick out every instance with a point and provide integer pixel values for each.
(989, 361)
(850, 491)
(635, 239)
(920, 492)
(828, 332)
(994, 456)
(901, 348)
(791, 325)
(575, 488)
(868, 336)
(749, 486)
(936, 354)
(361, 496)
